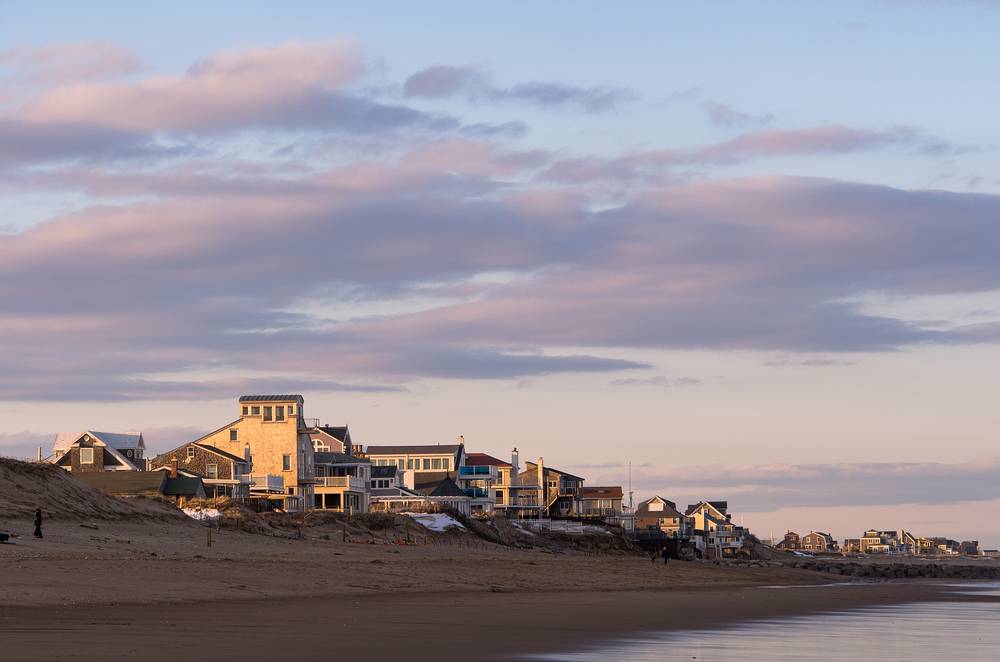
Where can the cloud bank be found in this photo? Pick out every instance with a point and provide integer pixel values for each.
(237, 215)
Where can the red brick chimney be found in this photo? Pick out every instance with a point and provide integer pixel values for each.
(173, 467)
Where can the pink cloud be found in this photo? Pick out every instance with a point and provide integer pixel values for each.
(256, 85)
(66, 62)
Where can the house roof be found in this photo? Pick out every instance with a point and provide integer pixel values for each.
(384, 471)
(436, 483)
(669, 508)
(116, 440)
(338, 458)
(220, 452)
(482, 459)
(338, 432)
(610, 492)
(186, 486)
(125, 482)
(446, 487)
(532, 467)
(271, 398)
(423, 449)
(718, 506)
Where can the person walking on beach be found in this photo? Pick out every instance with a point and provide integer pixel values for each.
(665, 556)
(38, 522)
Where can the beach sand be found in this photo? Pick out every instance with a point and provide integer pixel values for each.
(158, 592)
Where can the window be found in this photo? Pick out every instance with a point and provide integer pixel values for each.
(286, 462)
(267, 414)
(211, 471)
(190, 452)
(279, 413)
(445, 465)
(399, 464)
(234, 435)
(427, 464)
(291, 410)
(86, 456)
(409, 463)
(436, 463)
(255, 411)
(499, 478)
(499, 496)
(291, 491)
(246, 410)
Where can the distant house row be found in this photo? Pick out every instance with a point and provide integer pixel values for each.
(707, 526)
(875, 541)
(271, 451)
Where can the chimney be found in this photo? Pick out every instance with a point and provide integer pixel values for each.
(514, 468)
(461, 439)
(543, 489)
(173, 467)
(39, 454)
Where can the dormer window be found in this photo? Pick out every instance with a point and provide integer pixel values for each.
(255, 410)
(190, 452)
(246, 410)
(279, 413)
(268, 414)
(86, 456)
(291, 410)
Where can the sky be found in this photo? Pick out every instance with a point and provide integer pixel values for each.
(752, 251)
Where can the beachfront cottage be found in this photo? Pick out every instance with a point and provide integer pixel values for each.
(817, 541)
(511, 498)
(791, 542)
(96, 452)
(425, 463)
(272, 434)
(223, 474)
(401, 491)
(342, 482)
(602, 502)
(559, 490)
(880, 542)
(662, 515)
(714, 532)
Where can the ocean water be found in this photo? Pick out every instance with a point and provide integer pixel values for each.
(917, 632)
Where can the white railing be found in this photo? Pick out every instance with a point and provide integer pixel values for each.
(268, 482)
(350, 482)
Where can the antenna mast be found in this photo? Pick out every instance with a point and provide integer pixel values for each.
(631, 506)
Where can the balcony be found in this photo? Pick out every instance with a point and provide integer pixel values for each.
(265, 482)
(477, 492)
(342, 482)
(479, 471)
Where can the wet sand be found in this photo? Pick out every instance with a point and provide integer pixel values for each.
(431, 626)
(157, 592)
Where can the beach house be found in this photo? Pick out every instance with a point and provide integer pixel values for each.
(559, 490)
(791, 542)
(602, 502)
(662, 515)
(713, 529)
(271, 433)
(96, 452)
(222, 473)
(817, 541)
